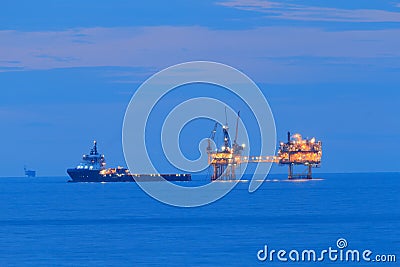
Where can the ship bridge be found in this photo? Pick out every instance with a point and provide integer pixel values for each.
(93, 160)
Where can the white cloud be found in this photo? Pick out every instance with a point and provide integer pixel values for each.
(310, 13)
(276, 50)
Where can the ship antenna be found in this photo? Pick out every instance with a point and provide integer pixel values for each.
(95, 147)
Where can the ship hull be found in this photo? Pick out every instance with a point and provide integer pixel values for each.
(94, 176)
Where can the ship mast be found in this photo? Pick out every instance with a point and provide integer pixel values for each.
(94, 149)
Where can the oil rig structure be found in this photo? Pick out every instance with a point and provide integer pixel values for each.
(29, 173)
(296, 151)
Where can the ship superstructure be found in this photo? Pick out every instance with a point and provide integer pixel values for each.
(93, 160)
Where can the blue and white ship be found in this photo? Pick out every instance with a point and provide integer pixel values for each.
(93, 169)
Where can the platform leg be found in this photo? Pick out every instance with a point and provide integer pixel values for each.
(290, 171)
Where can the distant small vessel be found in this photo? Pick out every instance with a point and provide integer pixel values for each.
(29, 173)
(92, 169)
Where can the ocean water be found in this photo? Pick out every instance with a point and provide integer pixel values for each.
(48, 222)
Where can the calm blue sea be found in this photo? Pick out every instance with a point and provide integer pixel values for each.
(48, 222)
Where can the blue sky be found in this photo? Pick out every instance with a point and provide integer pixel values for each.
(329, 69)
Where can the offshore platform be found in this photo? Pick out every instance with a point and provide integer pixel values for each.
(295, 151)
(29, 173)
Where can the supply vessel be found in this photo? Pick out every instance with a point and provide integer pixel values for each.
(93, 169)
